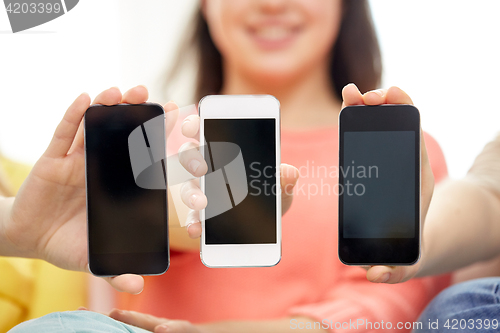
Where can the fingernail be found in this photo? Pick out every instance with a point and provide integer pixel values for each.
(191, 223)
(378, 92)
(193, 165)
(162, 329)
(185, 121)
(353, 84)
(192, 200)
(383, 278)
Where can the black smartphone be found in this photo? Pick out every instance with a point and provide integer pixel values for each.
(379, 185)
(126, 184)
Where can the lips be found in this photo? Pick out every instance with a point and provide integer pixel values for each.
(274, 36)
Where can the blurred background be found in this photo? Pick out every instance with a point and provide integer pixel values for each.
(444, 53)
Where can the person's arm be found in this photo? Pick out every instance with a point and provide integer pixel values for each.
(463, 222)
(463, 227)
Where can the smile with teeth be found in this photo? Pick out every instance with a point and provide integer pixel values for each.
(274, 33)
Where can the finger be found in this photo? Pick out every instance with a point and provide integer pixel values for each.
(351, 95)
(191, 159)
(110, 96)
(193, 225)
(395, 95)
(135, 95)
(142, 320)
(67, 129)
(176, 326)
(427, 182)
(171, 115)
(78, 142)
(389, 274)
(191, 127)
(129, 283)
(192, 196)
(289, 177)
(375, 97)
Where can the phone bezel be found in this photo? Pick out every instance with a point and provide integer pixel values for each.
(242, 107)
(148, 263)
(380, 251)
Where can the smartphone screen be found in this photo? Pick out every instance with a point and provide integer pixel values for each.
(242, 202)
(379, 169)
(379, 185)
(127, 220)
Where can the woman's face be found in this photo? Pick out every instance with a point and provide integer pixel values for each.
(273, 39)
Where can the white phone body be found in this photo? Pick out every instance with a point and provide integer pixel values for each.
(241, 107)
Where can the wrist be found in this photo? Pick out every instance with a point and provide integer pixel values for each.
(7, 243)
(11, 235)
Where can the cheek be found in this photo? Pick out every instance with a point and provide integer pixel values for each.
(324, 17)
(223, 19)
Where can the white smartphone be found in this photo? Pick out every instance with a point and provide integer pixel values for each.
(240, 141)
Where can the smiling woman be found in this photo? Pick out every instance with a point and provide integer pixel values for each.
(273, 48)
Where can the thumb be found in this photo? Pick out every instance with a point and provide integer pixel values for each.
(289, 177)
(130, 283)
(390, 274)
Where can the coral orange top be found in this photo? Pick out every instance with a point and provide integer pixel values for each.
(310, 280)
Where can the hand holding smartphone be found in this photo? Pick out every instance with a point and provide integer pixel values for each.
(379, 185)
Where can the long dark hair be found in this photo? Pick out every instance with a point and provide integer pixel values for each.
(354, 58)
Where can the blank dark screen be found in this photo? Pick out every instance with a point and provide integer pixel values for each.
(253, 220)
(122, 217)
(379, 184)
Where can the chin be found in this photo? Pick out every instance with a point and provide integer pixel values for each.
(276, 73)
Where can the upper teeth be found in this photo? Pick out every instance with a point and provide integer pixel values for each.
(273, 32)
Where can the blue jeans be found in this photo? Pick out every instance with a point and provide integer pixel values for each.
(472, 306)
(75, 322)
